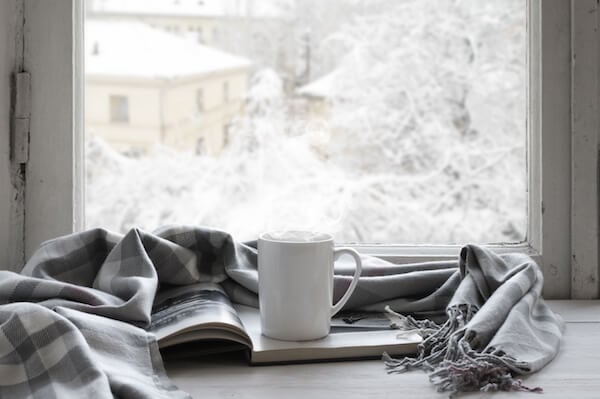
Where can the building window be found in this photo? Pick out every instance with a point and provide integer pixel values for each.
(200, 146)
(119, 109)
(226, 134)
(225, 92)
(199, 100)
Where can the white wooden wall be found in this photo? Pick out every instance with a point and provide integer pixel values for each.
(8, 21)
(40, 201)
(549, 125)
(585, 130)
(53, 193)
(5, 68)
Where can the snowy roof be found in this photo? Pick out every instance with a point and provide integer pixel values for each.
(194, 8)
(320, 88)
(135, 50)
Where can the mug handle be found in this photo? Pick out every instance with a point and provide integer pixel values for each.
(352, 252)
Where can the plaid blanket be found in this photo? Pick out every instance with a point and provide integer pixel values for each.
(73, 322)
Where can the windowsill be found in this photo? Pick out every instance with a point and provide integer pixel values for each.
(574, 371)
(422, 252)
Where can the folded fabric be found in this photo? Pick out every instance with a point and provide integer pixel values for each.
(498, 326)
(72, 324)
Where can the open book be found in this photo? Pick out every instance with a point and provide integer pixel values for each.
(200, 319)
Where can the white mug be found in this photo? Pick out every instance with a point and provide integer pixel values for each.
(295, 284)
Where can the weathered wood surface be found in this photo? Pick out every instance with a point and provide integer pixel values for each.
(575, 373)
(585, 126)
(552, 94)
(52, 195)
(11, 211)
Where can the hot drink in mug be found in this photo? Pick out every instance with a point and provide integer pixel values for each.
(296, 284)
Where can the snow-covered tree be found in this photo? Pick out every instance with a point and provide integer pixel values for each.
(429, 103)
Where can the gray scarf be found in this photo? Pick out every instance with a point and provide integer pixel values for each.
(498, 326)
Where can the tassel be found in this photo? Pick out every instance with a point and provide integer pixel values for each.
(453, 366)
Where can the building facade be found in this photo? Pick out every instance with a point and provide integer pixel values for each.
(146, 87)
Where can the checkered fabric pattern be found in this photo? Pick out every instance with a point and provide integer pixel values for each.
(73, 323)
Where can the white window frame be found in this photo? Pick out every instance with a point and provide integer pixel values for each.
(563, 126)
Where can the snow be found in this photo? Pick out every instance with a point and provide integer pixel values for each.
(425, 143)
(135, 50)
(193, 8)
(324, 87)
(205, 8)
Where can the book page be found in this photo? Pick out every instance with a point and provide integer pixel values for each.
(179, 313)
(360, 321)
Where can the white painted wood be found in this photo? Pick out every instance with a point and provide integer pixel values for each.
(585, 126)
(534, 126)
(7, 60)
(550, 82)
(78, 212)
(577, 311)
(404, 254)
(572, 374)
(55, 127)
(11, 181)
(18, 169)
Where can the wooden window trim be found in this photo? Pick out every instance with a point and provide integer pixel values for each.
(563, 98)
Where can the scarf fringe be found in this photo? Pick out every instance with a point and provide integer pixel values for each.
(451, 363)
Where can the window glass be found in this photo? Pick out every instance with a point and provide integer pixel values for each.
(226, 133)
(380, 121)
